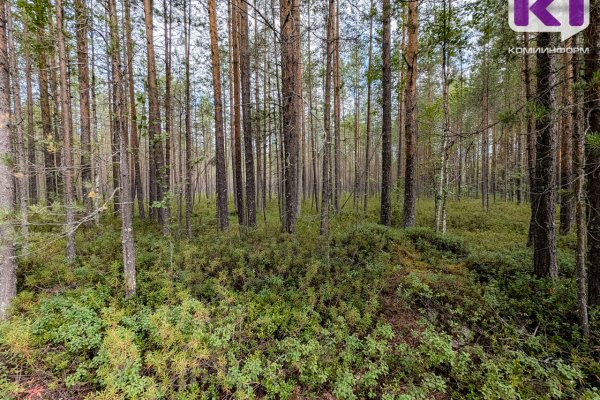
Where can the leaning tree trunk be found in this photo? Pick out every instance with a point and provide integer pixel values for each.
(8, 267)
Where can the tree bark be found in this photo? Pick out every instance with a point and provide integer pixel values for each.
(580, 203)
(410, 108)
(566, 169)
(236, 112)
(592, 115)
(221, 177)
(386, 129)
(544, 184)
(81, 26)
(67, 150)
(120, 127)
(8, 267)
(134, 143)
(22, 167)
(290, 96)
(154, 129)
(367, 179)
(247, 113)
(326, 185)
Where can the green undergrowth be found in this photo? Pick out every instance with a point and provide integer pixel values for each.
(372, 312)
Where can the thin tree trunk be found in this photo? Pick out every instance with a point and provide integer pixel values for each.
(326, 185)
(134, 144)
(22, 167)
(368, 132)
(67, 129)
(580, 203)
(221, 177)
(154, 128)
(236, 111)
(337, 181)
(592, 116)
(244, 52)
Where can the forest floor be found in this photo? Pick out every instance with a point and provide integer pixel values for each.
(374, 312)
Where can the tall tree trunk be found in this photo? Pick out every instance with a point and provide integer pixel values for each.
(188, 123)
(154, 129)
(337, 181)
(120, 127)
(48, 165)
(441, 195)
(592, 114)
(22, 167)
(133, 143)
(544, 204)
(168, 107)
(326, 185)
(566, 169)
(291, 96)
(367, 179)
(32, 140)
(410, 120)
(532, 137)
(401, 85)
(8, 267)
(83, 76)
(221, 177)
(236, 111)
(579, 187)
(67, 130)
(247, 113)
(313, 144)
(386, 129)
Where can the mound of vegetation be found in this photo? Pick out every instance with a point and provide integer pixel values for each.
(373, 312)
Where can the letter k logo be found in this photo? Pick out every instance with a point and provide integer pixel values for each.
(539, 9)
